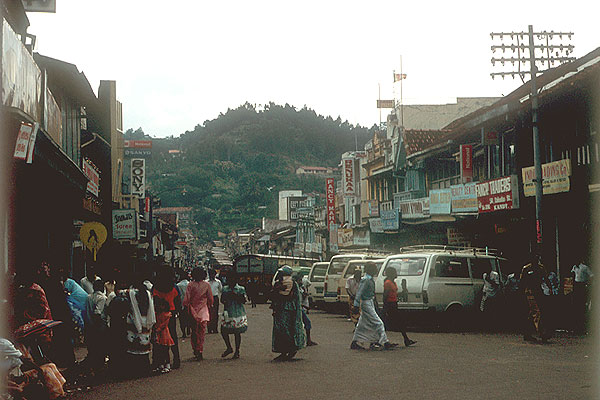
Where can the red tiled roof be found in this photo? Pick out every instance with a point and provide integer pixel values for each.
(416, 140)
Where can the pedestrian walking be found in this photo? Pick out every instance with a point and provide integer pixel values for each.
(162, 337)
(165, 289)
(582, 278)
(76, 299)
(96, 327)
(370, 328)
(140, 320)
(288, 329)
(390, 305)
(235, 320)
(183, 316)
(216, 288)
(352, 287)
(198, 298)
(531, 279)
(304, 284)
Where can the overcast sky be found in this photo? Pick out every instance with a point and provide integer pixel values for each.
(180, 63)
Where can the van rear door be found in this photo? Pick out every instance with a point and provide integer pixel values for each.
(410, 269)
(450, 283)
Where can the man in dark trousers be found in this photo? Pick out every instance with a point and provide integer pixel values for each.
(217, 288)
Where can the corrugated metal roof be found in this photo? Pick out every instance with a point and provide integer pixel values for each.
(418, 140)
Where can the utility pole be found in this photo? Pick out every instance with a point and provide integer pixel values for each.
(546, 52)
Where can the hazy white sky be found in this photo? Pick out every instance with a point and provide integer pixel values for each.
(180, 63)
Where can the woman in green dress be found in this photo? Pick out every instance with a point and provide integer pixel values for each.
(234, 321)
(288, 329)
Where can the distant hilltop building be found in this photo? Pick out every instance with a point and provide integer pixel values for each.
(316, 170)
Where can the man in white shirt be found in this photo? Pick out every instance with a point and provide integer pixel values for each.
(217, 288)
(87, 282)
(583, 275)
(352, 289)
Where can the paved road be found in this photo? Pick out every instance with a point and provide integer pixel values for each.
(441, 365)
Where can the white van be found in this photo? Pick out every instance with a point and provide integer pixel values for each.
(316, 278)
(439, 278)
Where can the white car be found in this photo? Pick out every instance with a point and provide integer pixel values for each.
(439, 278)
(316, 277)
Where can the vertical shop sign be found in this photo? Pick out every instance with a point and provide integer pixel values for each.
(348, 171)
(330, 192)
(93, 185)
(138, 177)
(466, 163)
(22, 144)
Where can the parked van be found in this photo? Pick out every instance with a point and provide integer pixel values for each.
(336, 267)
(439, 278)
(316, 278)
(349, 271)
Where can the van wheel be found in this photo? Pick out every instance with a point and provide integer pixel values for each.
(454, 318)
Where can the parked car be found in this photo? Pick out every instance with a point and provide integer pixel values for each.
(439, 278)
(349, 271)
(316, 278)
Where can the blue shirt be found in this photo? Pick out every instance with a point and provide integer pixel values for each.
(366, 290)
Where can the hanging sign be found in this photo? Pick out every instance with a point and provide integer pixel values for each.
(413, 209)
(138, 177)
(124, 224)
(93, 176)
(376, 225)
(93, 235)
(466, 163)
(330, 192)
(22, 144)
(348, 177)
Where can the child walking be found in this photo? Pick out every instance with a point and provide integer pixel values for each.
(234, 316)
(162, 336)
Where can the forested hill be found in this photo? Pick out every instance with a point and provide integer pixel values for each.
(232, 167)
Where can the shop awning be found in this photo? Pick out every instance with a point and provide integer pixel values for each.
(433, 218)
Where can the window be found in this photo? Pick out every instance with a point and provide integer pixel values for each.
(479, 266)
(450, 267)
(338, 265)
(318, 273)
(408, 266)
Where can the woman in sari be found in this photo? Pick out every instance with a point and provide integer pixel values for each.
(370, 328)
(288, 329)
(198, 299)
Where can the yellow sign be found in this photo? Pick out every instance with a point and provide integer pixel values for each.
(93, 235)
(555, 178)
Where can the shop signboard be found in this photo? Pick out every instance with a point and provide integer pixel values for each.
(296, 204)
(385, 104)
(376, 225)
(22, 144)
(333, 238)
(93, 176)
(555, 178)
(464, 198)
(348, 177)
(373, 208)
(345, 237)
(455, 237)
(466, 163)
(440, 201)
(362, 238)
(124, 224)
(498, 194)
(330, 190)
(390, 219)
(414, 209)
(138, 177)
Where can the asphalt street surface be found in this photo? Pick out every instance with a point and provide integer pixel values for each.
(471, 365)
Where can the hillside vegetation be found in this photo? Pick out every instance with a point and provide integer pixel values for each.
(230, 169)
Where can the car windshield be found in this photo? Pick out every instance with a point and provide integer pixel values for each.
(318, 273)
(352, 267)
(408, 266)
(338, 264)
